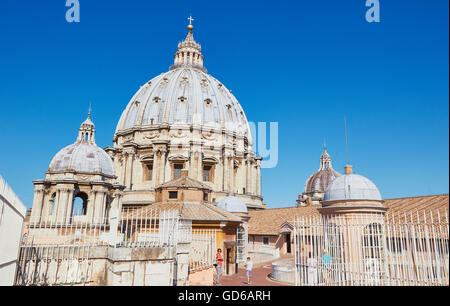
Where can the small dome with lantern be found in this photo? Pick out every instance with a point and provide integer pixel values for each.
(83, 156)
(319, 181)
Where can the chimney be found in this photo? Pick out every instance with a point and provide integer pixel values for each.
(348, 169)
(184, 172)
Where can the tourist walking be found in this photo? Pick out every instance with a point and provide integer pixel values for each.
(312, 270)
(248, 268)
(219, 265)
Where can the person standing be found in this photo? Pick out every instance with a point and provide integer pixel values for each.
(248, 268)
(312, 270)
(326, 259)
(219, 265)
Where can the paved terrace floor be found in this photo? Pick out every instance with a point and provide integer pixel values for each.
(260, 277)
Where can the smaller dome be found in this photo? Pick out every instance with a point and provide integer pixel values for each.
(84, 156)
(232, 204)
(352, 187)
(319, 181)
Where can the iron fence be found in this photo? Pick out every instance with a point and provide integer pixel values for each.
(372, 250)
(203, 249)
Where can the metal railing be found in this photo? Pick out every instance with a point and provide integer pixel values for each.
(147, 227)
(203, 249)
(372, 249)
(144, 227)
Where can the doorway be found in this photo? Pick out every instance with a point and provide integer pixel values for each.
(288, 243)
(228, 261)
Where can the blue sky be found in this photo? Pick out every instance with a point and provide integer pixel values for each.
(303, 64)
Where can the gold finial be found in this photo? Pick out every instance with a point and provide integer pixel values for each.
(190, 26)
(90, 109)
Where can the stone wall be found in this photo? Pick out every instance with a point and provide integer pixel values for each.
(12, 216)
(99, 266)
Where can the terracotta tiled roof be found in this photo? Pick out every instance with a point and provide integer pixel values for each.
(269, 221)
(185, 182)
(186, 211)
(433, 204)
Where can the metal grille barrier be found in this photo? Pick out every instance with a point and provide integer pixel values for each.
(372, 250)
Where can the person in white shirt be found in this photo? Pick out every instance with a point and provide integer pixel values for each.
(248, 269)
(312, 270)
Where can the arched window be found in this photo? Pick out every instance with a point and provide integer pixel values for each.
(372, 248)
(52, 204)
(80, 204)
(371, 241)
(334, 242)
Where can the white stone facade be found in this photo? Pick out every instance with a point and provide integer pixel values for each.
(185, 119)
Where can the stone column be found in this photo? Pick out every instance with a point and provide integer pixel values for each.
(225, 172)
(124, 168)
(46, 212)
(100, 204)
(156, 167)
(250, 177)
(247, 177)
(91, 206)
(258, 175)
(232, 182)
(63, 205)
(38, 202)
(114, 217)
(129, 171)
(198, 166)
(182, 264)
(163, 165)
(153, 183)
(70, 192)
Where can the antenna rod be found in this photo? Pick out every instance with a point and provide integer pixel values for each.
(346, 139)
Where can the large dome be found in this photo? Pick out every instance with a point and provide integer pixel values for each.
(185, 95)
(84, 156)
(352, 187)
(185, 119)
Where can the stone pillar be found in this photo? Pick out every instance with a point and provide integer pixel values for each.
(250, 177)
(246, 176)
(114, 217)
(61, 205)
(163, 166)
(225, 172)
(156, 168)
(38, 203)
(46, 212)
(129, 171)
(124, 168)
(91, 206)
(100, 203)
(182, 264)
(199, 166)
(70, 192)
(258, 175)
